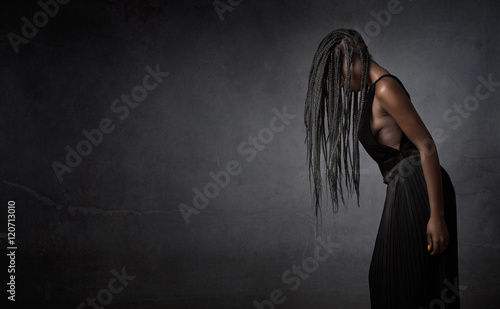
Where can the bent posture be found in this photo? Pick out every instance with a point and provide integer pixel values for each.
(353, 99)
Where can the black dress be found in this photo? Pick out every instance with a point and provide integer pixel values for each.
(402, 272)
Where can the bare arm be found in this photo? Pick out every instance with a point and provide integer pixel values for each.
(395, 102)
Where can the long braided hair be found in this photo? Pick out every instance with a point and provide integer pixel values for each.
(332, 115)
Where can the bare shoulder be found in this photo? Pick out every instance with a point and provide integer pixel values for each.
(390, 94)
(388, 86)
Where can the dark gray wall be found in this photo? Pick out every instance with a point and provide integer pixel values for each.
(227, 79)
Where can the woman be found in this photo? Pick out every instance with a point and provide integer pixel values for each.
(352, 98)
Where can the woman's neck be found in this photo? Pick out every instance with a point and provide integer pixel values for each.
(375, 71)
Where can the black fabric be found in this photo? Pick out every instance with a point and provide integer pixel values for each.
(402, 272)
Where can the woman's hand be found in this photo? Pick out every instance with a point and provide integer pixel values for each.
(437, 235)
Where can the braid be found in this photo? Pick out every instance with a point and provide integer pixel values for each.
(332, 113)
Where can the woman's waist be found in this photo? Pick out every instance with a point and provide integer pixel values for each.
(405, 158)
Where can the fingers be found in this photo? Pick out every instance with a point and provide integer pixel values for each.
(429, 242)
(437, 237)
(438, 245)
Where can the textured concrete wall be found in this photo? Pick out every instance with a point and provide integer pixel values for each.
(224, 99)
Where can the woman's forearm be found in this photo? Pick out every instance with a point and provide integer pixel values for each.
(432, 174)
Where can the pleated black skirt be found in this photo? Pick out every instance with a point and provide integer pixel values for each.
(402, 272)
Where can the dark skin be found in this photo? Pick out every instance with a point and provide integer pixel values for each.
(392, 114)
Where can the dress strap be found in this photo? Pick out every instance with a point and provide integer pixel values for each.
(389, 74)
